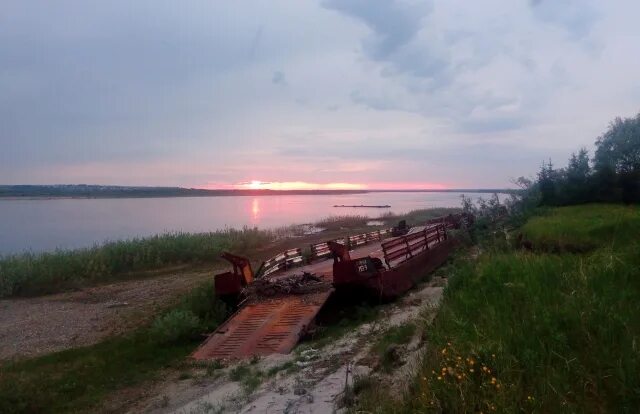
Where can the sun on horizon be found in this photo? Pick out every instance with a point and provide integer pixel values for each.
(304, 185)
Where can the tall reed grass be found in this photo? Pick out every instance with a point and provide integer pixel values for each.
(38, 273)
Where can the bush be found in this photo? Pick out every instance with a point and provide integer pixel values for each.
(175, 326)
(203, 303)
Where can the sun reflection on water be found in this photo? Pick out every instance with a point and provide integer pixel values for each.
(255, 209)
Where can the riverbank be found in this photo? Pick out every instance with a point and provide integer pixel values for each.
(30, 274)
(547, 324)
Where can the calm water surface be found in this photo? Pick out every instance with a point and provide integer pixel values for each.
(40, 225)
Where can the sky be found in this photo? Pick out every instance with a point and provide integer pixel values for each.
(309, 94)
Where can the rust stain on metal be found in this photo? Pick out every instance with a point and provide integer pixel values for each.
(263, 327)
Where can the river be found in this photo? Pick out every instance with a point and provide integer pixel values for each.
(46, 224)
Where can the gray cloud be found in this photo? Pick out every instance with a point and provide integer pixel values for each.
(438, 73)
(279, 78)
(158, 93)
(575, 16)
(393, 23)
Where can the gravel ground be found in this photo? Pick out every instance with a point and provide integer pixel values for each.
(36, 326)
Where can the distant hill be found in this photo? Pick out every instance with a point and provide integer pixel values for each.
(114, 191)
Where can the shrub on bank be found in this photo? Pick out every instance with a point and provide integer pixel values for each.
(175, 326)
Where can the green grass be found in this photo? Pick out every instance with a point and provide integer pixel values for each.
(583, 228)
(396, 335)
(78, 380)
(548, 331)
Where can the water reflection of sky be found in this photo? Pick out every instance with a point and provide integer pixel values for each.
(47, 224)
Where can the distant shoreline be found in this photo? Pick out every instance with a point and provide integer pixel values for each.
(57, 192)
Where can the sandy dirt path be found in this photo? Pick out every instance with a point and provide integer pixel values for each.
(36, 326)
(314, 381)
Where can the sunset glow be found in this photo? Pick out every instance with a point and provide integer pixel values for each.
(296, 185)
(304, 185)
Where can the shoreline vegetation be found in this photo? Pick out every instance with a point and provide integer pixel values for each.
(31, 274)
(538, 317)
(83, 191)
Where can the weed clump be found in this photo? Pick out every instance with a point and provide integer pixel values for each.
(175, 326)
(202, 302)
(386, 347)
(249, 377)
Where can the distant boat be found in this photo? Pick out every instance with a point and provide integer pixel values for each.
(363, 206)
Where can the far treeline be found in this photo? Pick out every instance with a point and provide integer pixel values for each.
(612, 175)
(115, 191)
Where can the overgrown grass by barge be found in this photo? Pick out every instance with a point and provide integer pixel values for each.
(552, 330)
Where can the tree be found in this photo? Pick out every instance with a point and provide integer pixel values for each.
(618, 152)
(578, 174)
(547, 182)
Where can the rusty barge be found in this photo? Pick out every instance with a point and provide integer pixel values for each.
(278, 303)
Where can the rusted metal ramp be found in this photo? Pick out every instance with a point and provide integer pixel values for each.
(263, 327)
(273, 324)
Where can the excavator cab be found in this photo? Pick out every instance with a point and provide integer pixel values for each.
(230, 284)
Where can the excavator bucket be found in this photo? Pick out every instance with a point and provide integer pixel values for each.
(232, 283)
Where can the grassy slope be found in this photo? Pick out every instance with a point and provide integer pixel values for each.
(551, 331)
